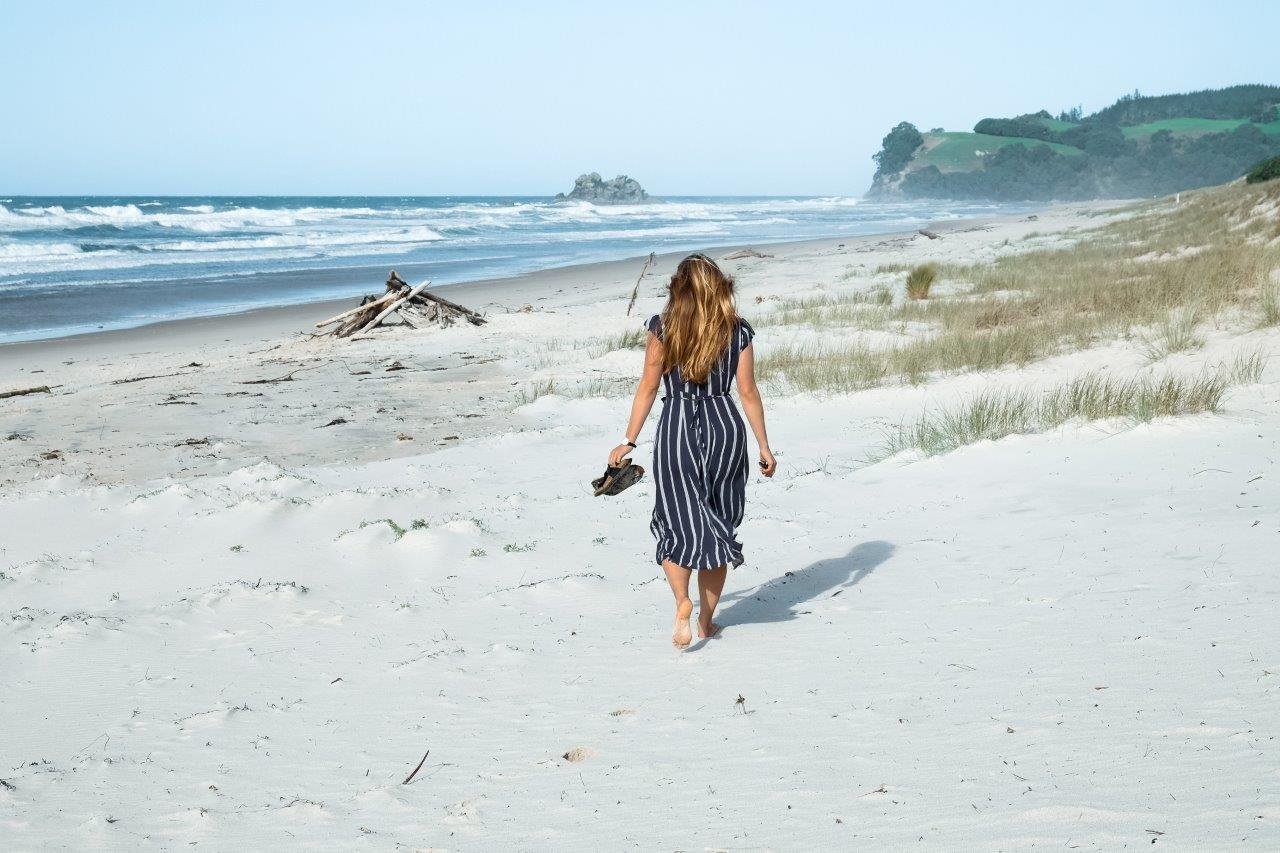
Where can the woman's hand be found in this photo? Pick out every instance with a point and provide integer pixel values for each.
(768, 464)
(618, 454)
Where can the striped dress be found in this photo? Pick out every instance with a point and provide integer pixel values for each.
(700, 464)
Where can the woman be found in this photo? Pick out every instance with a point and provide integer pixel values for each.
(695, 348)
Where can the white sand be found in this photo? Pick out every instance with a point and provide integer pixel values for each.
(1065, 640)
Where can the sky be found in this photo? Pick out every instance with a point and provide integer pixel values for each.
(488, 98)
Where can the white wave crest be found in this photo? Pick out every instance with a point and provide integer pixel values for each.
(201, 218)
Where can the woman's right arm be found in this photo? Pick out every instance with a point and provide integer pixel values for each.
(753, 408)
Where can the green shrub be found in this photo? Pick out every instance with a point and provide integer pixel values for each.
(1265, 171)
(920, 279)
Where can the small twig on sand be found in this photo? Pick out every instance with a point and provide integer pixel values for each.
(592, 575)
(39, 389)
(409, 778)
(143, 378)
(636, 290)
(288, 377)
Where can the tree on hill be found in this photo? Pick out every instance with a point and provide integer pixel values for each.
(1232, 102)
(1105, 140)
(896, 150)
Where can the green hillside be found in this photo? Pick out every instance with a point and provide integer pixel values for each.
(962, 151)
(1138, 146)
(1194, 127)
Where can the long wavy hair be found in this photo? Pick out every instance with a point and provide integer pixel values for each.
(699, 319)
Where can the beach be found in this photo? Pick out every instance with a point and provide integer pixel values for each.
(267, 589)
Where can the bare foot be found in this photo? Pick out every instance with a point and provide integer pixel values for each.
(707, 630)
(683, 634)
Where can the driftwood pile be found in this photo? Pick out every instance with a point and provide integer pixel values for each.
(416, 307)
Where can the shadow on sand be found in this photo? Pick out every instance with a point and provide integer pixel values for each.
(780, 599)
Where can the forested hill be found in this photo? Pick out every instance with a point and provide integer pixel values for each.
(1139, 146)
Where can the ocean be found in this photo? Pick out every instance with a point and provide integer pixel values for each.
(81, 264)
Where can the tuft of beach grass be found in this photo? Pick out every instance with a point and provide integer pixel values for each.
(993, 415)
(920, 279)
(1176, 333)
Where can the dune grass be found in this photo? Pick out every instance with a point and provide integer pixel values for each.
(994, 415)
(630, 339)
(1135, 277)
(1176, 333)
(1269, 306)
(575, 389)
(920, 279)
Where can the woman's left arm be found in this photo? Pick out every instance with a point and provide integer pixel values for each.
(646, 393)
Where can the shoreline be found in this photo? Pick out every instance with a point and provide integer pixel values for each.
(263, 323)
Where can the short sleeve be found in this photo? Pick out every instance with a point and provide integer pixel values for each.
(745, 334)
(655, 325)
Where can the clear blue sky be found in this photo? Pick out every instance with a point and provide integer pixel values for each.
(372, 97)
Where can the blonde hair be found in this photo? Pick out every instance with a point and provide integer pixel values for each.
(698, 322)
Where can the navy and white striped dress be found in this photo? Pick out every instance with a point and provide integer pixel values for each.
(700, 463)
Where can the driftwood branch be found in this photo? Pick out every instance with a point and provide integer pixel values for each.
(345, 314)
(143, 378)
(409, 778)
(39, 389)
(288, 377)
(635, 291)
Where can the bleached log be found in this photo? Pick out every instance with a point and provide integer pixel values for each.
(357, 310)
(386, 312)
(356, 322)
(453, 306)
(39, 389)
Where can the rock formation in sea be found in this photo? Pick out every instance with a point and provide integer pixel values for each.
(592, 187)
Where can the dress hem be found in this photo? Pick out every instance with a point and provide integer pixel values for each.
(733, 564)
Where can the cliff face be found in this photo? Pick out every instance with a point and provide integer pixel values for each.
(592, 187)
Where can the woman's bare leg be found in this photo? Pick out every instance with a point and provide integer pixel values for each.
(710, 585)
(678, 577)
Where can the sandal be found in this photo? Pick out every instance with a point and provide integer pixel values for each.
(615, 480)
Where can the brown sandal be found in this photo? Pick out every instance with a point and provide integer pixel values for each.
(617, 479)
